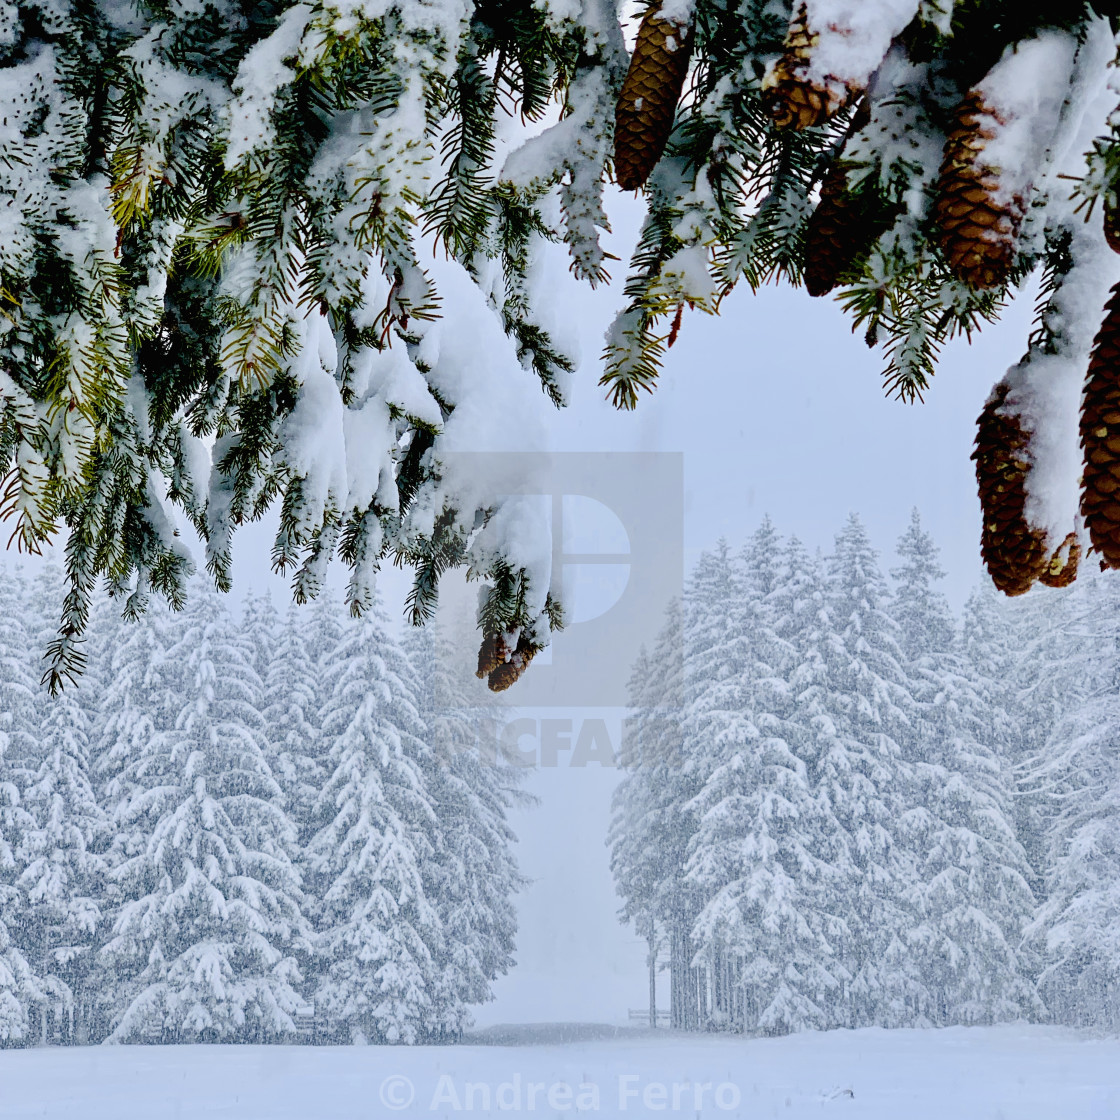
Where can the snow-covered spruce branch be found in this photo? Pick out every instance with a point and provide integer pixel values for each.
(214, 300)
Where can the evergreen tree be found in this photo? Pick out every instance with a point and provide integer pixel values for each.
(380, 941)
(23, 993)
(260, 623)
(62, 876)
(205, 936)
(652, 823)
(138, 705)
(472, 877)
(135, 703)
(717, 722)
(971, 888)
(1078, 775)
(61, 871)
(291, 701)
(862, 711)
(20, 988)
(828, 874)
(753, 853)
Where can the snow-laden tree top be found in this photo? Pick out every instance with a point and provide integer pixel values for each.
(217, 217)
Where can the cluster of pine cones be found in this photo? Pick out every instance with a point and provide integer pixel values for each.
(503, 658)
(1016, 553)
(978, 225)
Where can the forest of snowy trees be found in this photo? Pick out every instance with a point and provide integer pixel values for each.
(843, 806)
(255, 828)
(840, 806)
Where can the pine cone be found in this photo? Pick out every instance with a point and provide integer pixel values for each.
(1100, 438)
(788, 97)
(648, 99)
(834, 235)
(1061, 571)
(509, 672)
(1112, 227)
(1015, 553)
(491, 654)
(842, 227)
(978, 228)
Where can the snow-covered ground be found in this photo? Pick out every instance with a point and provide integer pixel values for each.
(1001, 1073)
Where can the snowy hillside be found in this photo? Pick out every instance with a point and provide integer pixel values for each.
(1010, 1073)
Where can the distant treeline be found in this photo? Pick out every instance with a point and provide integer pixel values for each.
(844, 806)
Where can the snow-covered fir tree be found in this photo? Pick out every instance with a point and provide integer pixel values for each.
(761, 930)
(380, 944)
(653, 823)
(803, 618)
(23, 993)
(1078, 775)
(62, 876)
(62, 873)
(868, 708)
(291, 702)
(473, 876)
(260, 624)
(205, 936)
(971, 892)
(1050, 678)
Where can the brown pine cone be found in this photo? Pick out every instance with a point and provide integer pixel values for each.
(505, 675)
(788, 97)
(1100, 438)
(509, 672)
(491, 654)
(648, 99)
(1061, 570)
(978, 229)
(1014, 552)
(843, 226)
(1112, 227)
(834, 235)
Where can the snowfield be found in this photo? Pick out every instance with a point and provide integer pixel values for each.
(984, 1073)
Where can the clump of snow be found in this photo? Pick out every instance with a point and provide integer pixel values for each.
(1045, 388)
(313, 449)
(573, 153)
(472, 365)
(265, 69)
(687, 277)
(900, 145)
(1025, 93)
(853, 36)
(677, 11)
